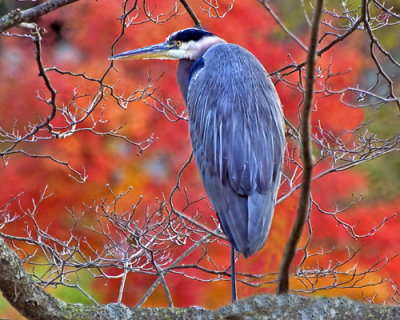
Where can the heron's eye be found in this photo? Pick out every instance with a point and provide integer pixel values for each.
(178, 43)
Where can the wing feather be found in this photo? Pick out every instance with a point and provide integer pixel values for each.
(237, 132)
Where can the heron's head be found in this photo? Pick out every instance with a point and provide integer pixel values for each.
(184, 44)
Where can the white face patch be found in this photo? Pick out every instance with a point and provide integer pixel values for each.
(193, 50)
(179, 53)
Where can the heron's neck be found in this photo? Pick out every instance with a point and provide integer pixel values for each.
(182, 75)
(196, 51)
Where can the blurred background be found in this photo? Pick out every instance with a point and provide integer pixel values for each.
(352, 239)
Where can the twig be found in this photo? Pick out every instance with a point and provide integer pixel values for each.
(191, 13)
(282, 25)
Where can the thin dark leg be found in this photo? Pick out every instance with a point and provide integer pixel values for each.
(233, 275)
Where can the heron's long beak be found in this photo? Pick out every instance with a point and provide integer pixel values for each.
(157, 51)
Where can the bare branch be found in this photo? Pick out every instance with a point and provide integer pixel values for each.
(191, 13)
(304, 201)
(17, 16)
(282, 25)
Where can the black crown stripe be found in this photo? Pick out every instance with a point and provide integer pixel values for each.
(189, 34)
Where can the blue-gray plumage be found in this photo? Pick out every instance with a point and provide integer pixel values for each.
(236, 127)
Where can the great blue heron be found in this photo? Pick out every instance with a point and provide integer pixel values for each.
(236, 127)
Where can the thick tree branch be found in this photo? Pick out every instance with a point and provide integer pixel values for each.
(33, 302)
(15, 17)
(22, 292)
(305, 132)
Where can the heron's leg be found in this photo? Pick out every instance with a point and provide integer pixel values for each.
(233, 274)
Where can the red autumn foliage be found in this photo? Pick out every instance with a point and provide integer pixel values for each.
(83, 45)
